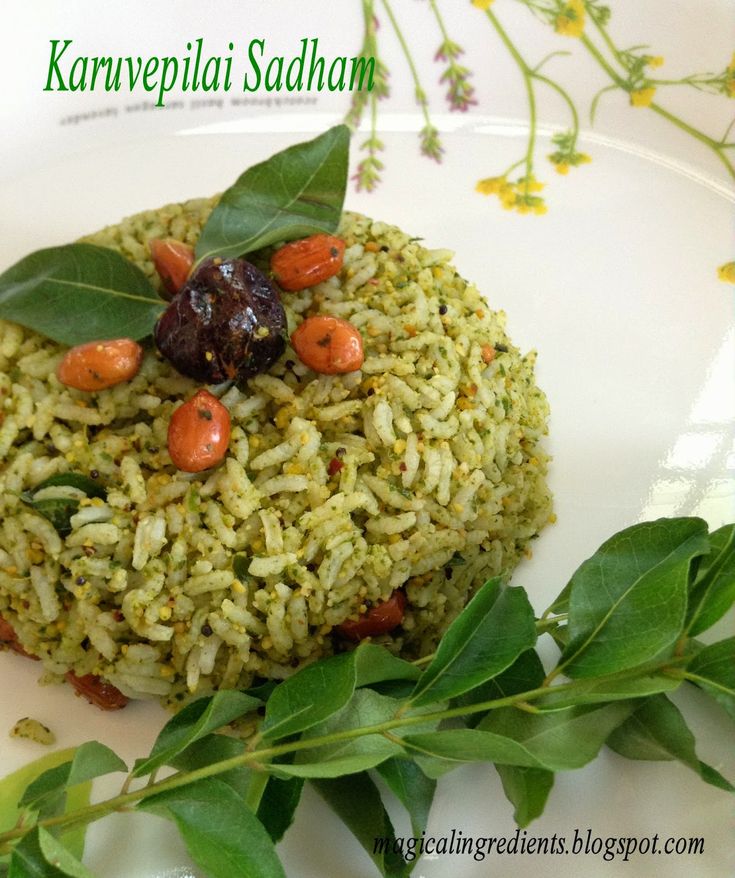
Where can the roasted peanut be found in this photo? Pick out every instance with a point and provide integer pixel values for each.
(309, 261)
(199, 433)
(328, 345)
(173, 261)
(98, 365)
(97, 691)
(383, 617)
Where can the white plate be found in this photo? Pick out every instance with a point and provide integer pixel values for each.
(616, 288)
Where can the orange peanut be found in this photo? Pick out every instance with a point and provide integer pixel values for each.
(309, 261)
(328, 345)
(173, 261)
(98, 365)
(97, 691)
(199, 433)
(383, 617)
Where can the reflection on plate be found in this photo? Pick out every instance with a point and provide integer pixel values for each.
(616, 288)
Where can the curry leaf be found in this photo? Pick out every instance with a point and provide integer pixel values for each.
(59, 509)
(356, 801)
(196, 720)
(470, 745)
(373, 664)
(527, 789)
(78, 293)
(713, 669)
(487, 637)
(657, 731)
(628, 601)
(278, 804)
(13, 786)
(310, 696)
(414, 790)
(223, 837)
(592, 691)
(524, 674)
(562, 740)
(40, 855)
(713, 591)
(90, 760)
(350, 754)
(212, 749)
(294, 193)
(72, 480)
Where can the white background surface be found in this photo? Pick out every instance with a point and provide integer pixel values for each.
(615, 287)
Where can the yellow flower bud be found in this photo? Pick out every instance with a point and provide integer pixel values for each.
(570, 20)
(726, 272)
(642, 97)
(490, 185)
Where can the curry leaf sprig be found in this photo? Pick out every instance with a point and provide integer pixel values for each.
(82, 292)
(484, 696)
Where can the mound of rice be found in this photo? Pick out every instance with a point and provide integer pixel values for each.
(176, 584)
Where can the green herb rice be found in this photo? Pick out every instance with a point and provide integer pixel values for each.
(172, 584)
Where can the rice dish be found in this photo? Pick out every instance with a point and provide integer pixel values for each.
(172, 584)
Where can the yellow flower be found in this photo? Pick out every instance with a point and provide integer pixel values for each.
(482, 4)
(540, 209)
(642, 97)
(562, 168)
(507, 197)
(655, 61)
(726, 272)
(533, 184)
(490, 185)
(570, 20)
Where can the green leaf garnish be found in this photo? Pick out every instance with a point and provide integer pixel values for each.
(294, 193)
(222, 836)
(59, 509)
(79, 293)
(628, 601)
(483, 641)
(90, 760)
(357, 802)
(527, 789)
(657, 730)
(40, 855)
(713, 590)
(713, 669)
(194, 722)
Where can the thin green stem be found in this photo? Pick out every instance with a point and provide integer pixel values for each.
(420, 94)
(602, 61)
(528, 82)
(439, 20)
(607, 40)
(703, 138)
(424, 660)
(545, 623)
(265, 755)
(695, 678)
(565, 95)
